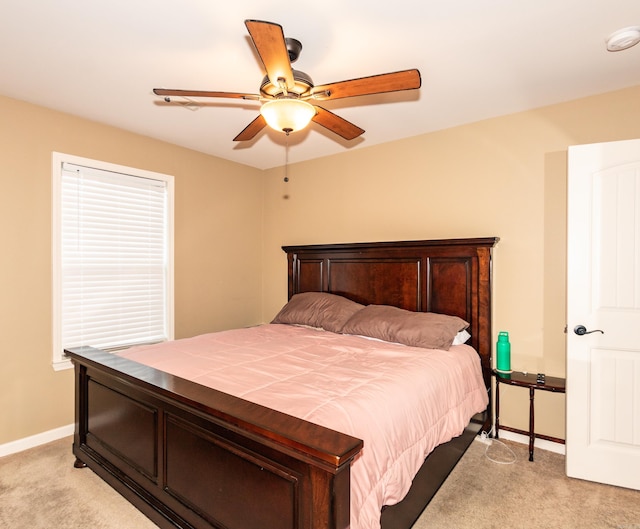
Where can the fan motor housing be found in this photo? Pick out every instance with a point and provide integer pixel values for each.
(303, 85)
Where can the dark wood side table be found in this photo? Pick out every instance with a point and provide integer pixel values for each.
(527, 380)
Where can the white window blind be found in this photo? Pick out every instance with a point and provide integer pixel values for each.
(115, 274)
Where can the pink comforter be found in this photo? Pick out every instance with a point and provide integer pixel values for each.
(401, 401)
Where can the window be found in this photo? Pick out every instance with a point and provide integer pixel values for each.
(112, 256)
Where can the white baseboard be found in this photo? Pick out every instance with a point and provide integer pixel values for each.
(35, 440)
(543, 444)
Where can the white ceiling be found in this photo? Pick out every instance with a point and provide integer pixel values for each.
(478, 59)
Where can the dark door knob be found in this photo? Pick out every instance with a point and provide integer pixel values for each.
(581, 330)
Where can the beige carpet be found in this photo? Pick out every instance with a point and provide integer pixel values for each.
(482, 494)
(40, 489)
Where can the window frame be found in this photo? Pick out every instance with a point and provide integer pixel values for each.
(59, 361)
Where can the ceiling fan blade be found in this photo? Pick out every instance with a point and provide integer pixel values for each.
(251, 129)
(202, 93)
(375, 84)
(268, 39)
(336, 124)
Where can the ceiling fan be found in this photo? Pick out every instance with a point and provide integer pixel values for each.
(289, 95)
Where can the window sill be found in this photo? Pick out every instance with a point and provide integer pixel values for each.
(62, 365)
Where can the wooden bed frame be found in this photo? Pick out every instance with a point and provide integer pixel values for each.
(192, 457)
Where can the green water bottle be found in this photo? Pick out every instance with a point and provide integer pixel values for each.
(503, 353)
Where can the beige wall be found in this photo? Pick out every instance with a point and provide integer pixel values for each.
(502, 177)
(218, 218)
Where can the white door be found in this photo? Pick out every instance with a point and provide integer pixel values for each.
(603, 293)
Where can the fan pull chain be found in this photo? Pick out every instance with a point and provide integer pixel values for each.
(286, 159)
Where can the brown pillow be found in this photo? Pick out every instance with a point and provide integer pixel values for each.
(392, 324)
(318, 309)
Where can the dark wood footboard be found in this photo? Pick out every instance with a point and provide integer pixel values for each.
(189, 456)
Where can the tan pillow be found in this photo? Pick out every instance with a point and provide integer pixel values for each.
(318, 309)
(418, 329)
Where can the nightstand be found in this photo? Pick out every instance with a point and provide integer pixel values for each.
(533, 382)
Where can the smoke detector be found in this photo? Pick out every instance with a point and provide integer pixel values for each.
(623, 39)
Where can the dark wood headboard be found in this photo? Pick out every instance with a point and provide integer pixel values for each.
(449, 276)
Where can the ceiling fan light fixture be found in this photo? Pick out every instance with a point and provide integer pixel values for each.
(287, 114)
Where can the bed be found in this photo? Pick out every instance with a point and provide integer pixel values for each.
(188, 455)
